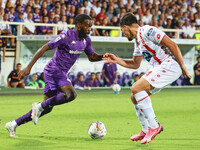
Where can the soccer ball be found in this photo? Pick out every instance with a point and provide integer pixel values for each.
(97, 130)
(116, 88)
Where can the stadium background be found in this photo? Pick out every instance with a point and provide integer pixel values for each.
(166, 15)
(66, 127)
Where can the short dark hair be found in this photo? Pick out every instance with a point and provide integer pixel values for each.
(80, 75)
(80, 18)
(198, 58)
(18, 64)
(128, 19)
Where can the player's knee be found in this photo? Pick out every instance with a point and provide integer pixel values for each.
(134, 90)
(70, 96)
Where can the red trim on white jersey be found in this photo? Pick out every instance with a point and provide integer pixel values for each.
(162, 39)
(149, 49)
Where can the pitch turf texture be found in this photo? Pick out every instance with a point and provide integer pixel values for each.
(67, 125)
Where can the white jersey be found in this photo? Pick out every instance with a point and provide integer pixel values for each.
(147, 44)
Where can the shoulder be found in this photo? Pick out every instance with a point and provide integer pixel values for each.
(88, 39)
(70, 33)
(147, 30)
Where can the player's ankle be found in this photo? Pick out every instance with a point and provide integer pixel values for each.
(40, 107)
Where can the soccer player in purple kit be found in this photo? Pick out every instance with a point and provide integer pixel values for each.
(58, 88)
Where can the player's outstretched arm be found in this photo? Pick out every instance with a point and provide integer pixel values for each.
(95, 57)
(37, 55)
(166, 41)
(133, 64)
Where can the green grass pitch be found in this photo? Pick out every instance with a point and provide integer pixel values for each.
(67, 125)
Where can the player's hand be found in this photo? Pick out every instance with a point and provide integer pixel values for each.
(107, 80)
(111, 58)
(22, 73)
(185, 73)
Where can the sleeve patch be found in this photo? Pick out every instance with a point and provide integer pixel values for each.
(57, 39)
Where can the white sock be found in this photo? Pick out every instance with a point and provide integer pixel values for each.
(145, 105)
(14, 123)
(144, 122)
(40, 107)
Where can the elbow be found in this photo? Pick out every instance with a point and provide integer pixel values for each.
(173, 46)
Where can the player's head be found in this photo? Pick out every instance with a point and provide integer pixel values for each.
(83, 25)
(80, 77)
(34, 77)
(127, 22)
(18, 66)
(92, 76)
(98, 75)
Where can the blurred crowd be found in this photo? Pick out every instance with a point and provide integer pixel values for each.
(169, 14)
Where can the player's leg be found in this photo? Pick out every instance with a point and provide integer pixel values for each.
(12, 125)
(139, 89)
(143, 121)
(22, 85)
(14, 84)
(67, 94)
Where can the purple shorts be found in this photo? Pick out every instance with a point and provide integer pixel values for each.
(54, 77)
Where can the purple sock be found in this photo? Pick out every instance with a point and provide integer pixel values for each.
(23, 119)
(27, 117)
(46, 105)
(55, 100)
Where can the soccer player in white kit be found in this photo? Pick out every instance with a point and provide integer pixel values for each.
(167, 65)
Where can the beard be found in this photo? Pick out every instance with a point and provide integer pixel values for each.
(82, 34)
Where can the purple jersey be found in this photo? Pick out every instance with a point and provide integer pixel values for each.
(36, 18)
(90, 83)
(80, 84)
(110, 70)
(68, 48)
(41, 28)
(23, 7)
(99, 83)
(11, 18)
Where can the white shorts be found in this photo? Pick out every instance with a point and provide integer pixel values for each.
(162, 75)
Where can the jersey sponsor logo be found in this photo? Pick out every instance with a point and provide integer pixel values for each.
(147, 56)
(75, 52)
(57, 39)
(151, 32)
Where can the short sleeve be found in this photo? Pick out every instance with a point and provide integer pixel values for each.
(195, 67)
(89, 50)
(104, 66)
(154, 34)
(59, 40)
(10, 75)
(137, 51)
